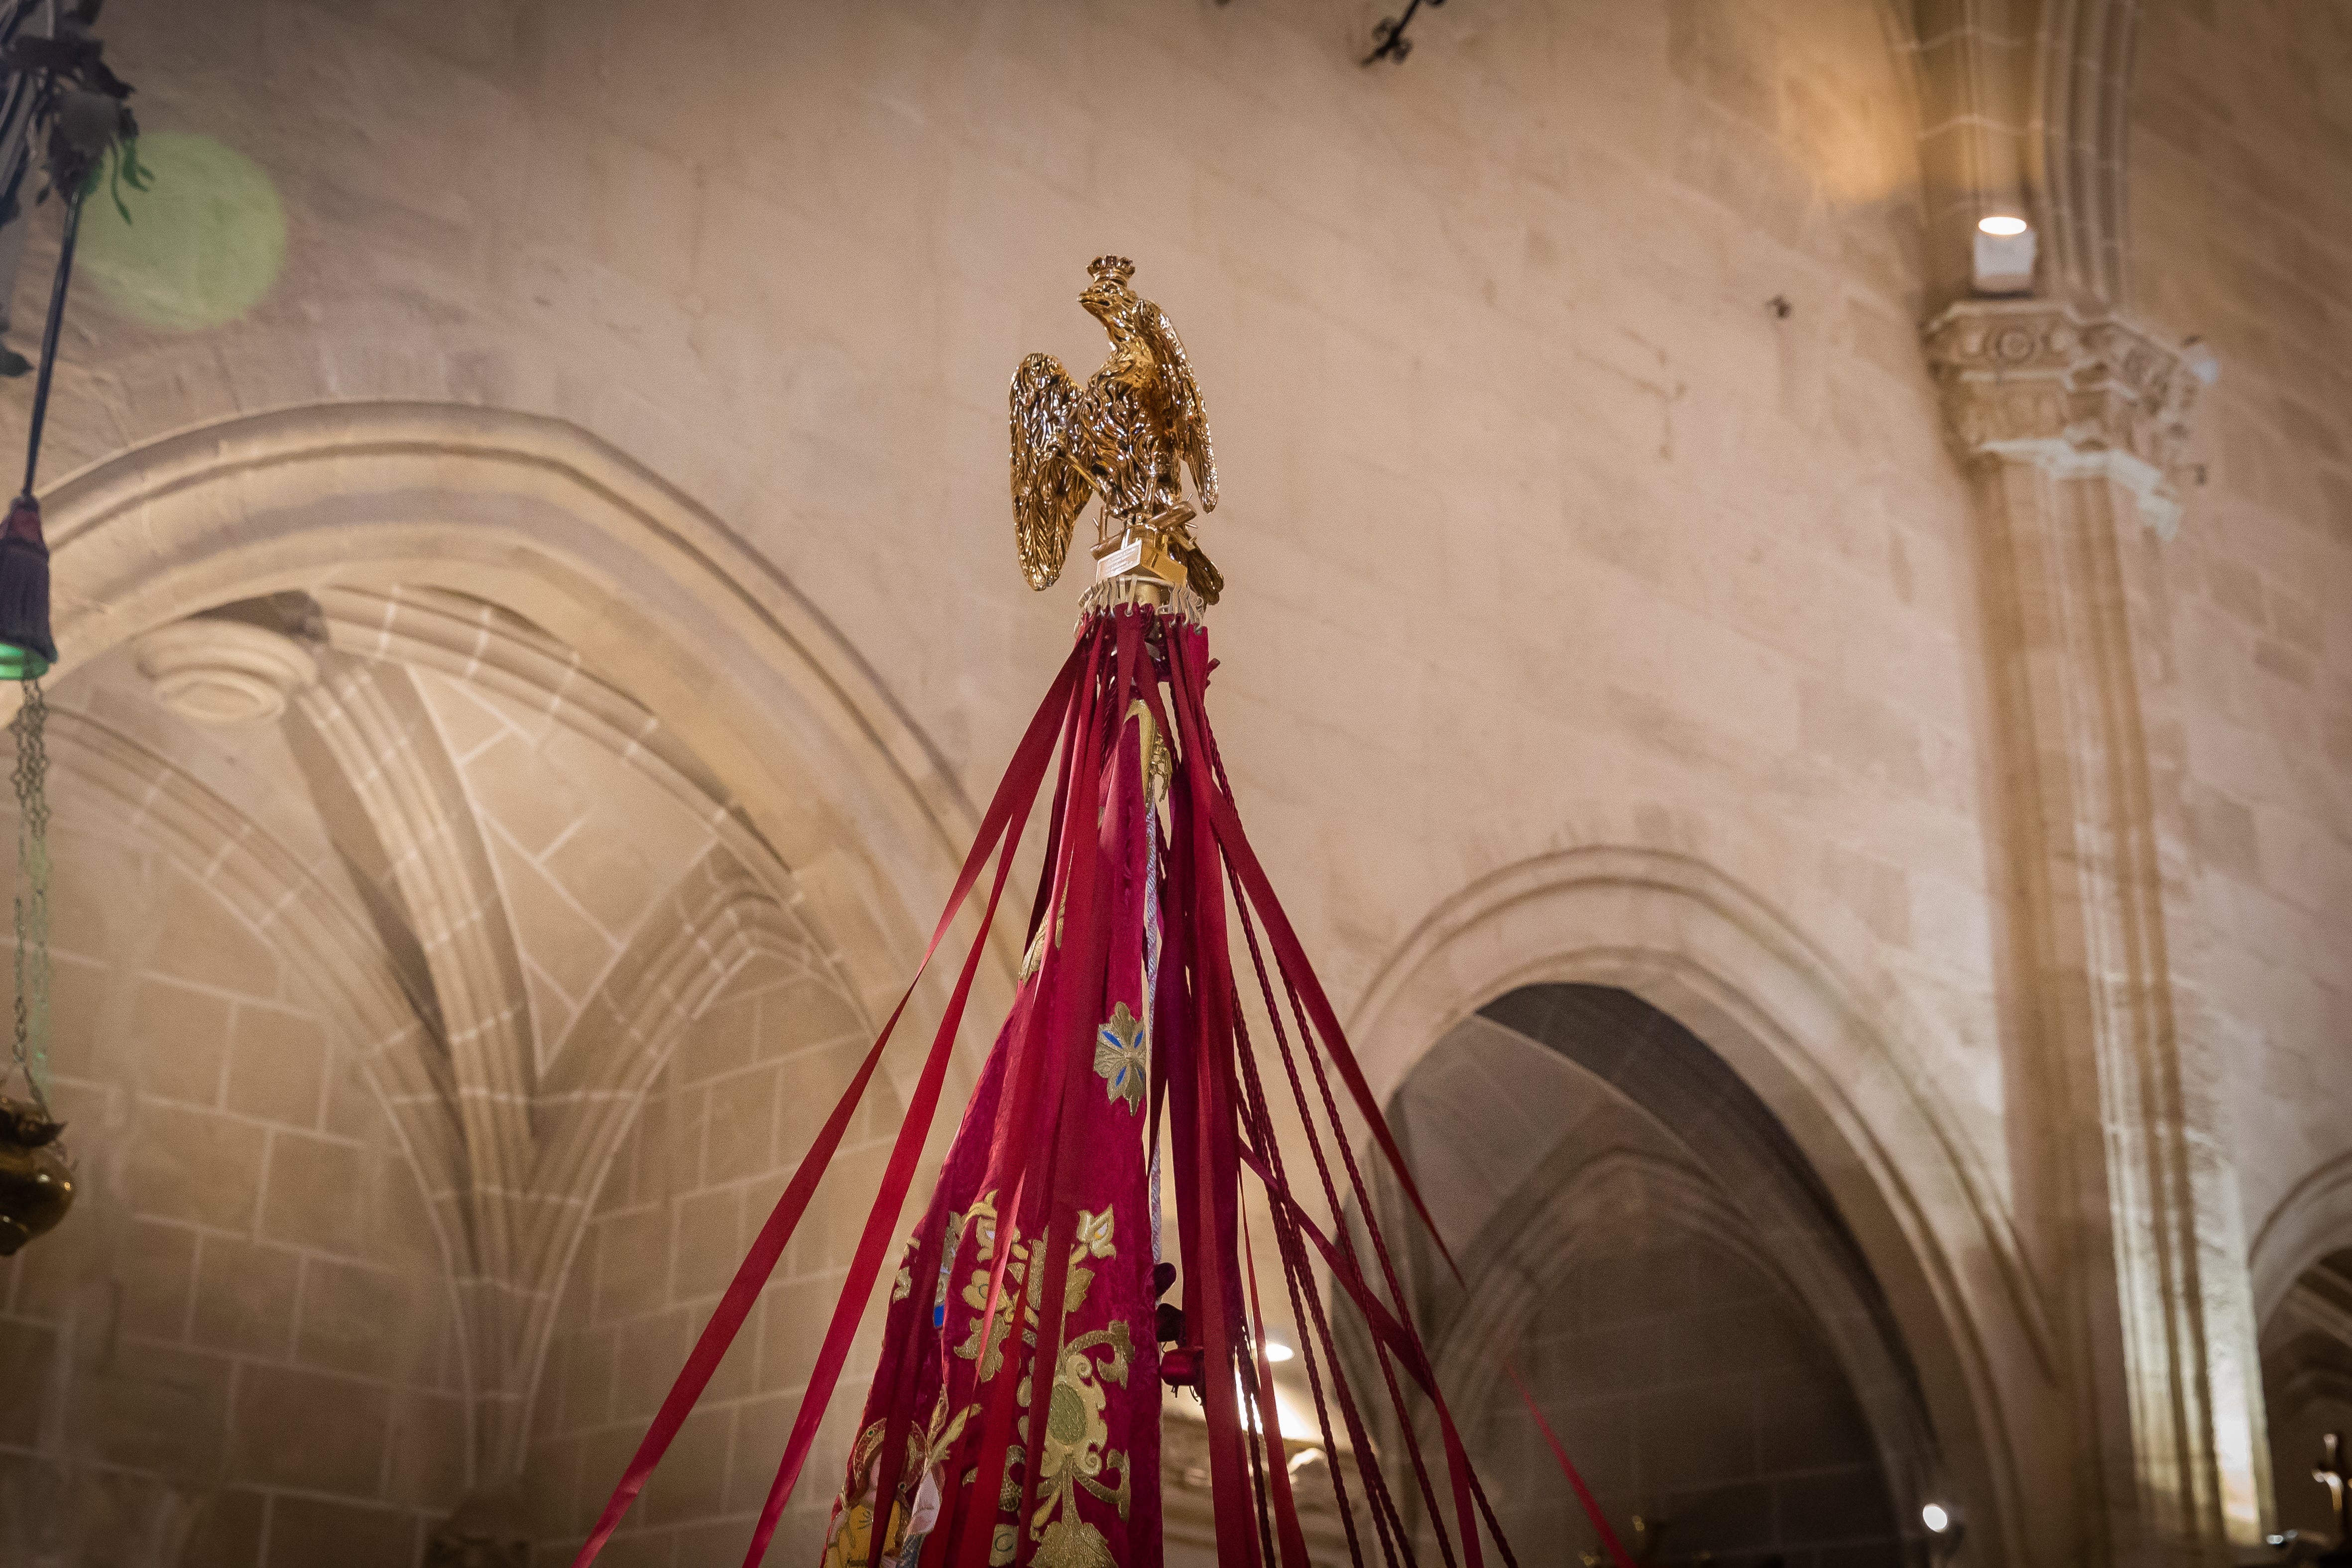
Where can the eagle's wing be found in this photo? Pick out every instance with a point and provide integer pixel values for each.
(1049, 491)
(1188, 420)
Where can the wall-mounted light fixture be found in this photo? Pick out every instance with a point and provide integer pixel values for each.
(2003, 261)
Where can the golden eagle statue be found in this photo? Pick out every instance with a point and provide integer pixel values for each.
(1123, 436)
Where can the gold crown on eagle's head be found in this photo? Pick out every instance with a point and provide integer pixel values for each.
(1114, 269)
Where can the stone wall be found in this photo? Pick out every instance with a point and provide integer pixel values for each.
(1586, 493)
(1486, 344)
(249, 1250)
(1640, 1242)
(2243, 203)
(287, 1320)
(1548, 528)
(2242, 208)
(722, 1129)
(2307, 1386)
(1693, 1393)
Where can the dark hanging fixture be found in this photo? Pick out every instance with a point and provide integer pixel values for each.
(58, 99)
(1388, 42)
(26, 647)
(56, 96)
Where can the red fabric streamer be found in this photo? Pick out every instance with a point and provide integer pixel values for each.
(1015, 1411)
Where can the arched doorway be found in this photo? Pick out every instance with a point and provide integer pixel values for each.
(1830, 1061)
(1641, 1238)
(2306, 1347)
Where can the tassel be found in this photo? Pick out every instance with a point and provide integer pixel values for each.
(25, 594)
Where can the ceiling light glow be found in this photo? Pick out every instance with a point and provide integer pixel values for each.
(2003, 224)
(1937, 1517)
(1278, 1353)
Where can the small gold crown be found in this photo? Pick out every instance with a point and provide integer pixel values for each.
(1110, 269)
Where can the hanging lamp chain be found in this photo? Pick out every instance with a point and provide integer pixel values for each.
(30, 779)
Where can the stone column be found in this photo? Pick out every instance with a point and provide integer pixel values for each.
(2071, 428)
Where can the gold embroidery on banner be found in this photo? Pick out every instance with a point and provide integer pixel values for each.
(1097, 1244)
(1073, 1544)
(850, 1540)
(1119, 1057)
(1075, 1452)
(1034, 959)
(850, 1537)
(903, 1286)
(1159, 764)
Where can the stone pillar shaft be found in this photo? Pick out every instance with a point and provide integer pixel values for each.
(2070, 427)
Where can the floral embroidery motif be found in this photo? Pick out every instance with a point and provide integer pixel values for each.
(1075, 1431)
(1075, 1454)
(1119, 1057)
(1094, 1240)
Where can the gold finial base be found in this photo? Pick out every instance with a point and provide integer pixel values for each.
(1138, 588)
(1144, 548)
(1157, 551)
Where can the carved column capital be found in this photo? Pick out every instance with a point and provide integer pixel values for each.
(2030, 381)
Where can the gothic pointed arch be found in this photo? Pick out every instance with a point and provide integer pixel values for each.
(535, 515)
(1829, 1062)
(433, 546)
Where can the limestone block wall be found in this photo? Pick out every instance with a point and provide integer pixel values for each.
(1694, 1393)
(1526, 482)
(2298, 1432)
(249, 1248)
(1550, 529)
(721, 1132)
(574, 841)
(2307, 1387)
(2242, 207)
(1547, 530)
(1622, 1249)
(275, 1328)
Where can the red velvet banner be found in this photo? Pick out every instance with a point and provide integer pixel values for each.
(1015, 1411)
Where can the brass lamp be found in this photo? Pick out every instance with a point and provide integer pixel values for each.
(36, 1183)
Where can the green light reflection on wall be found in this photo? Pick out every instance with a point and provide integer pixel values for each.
(203, 244)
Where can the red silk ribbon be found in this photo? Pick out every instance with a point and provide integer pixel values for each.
(1203, 1073)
